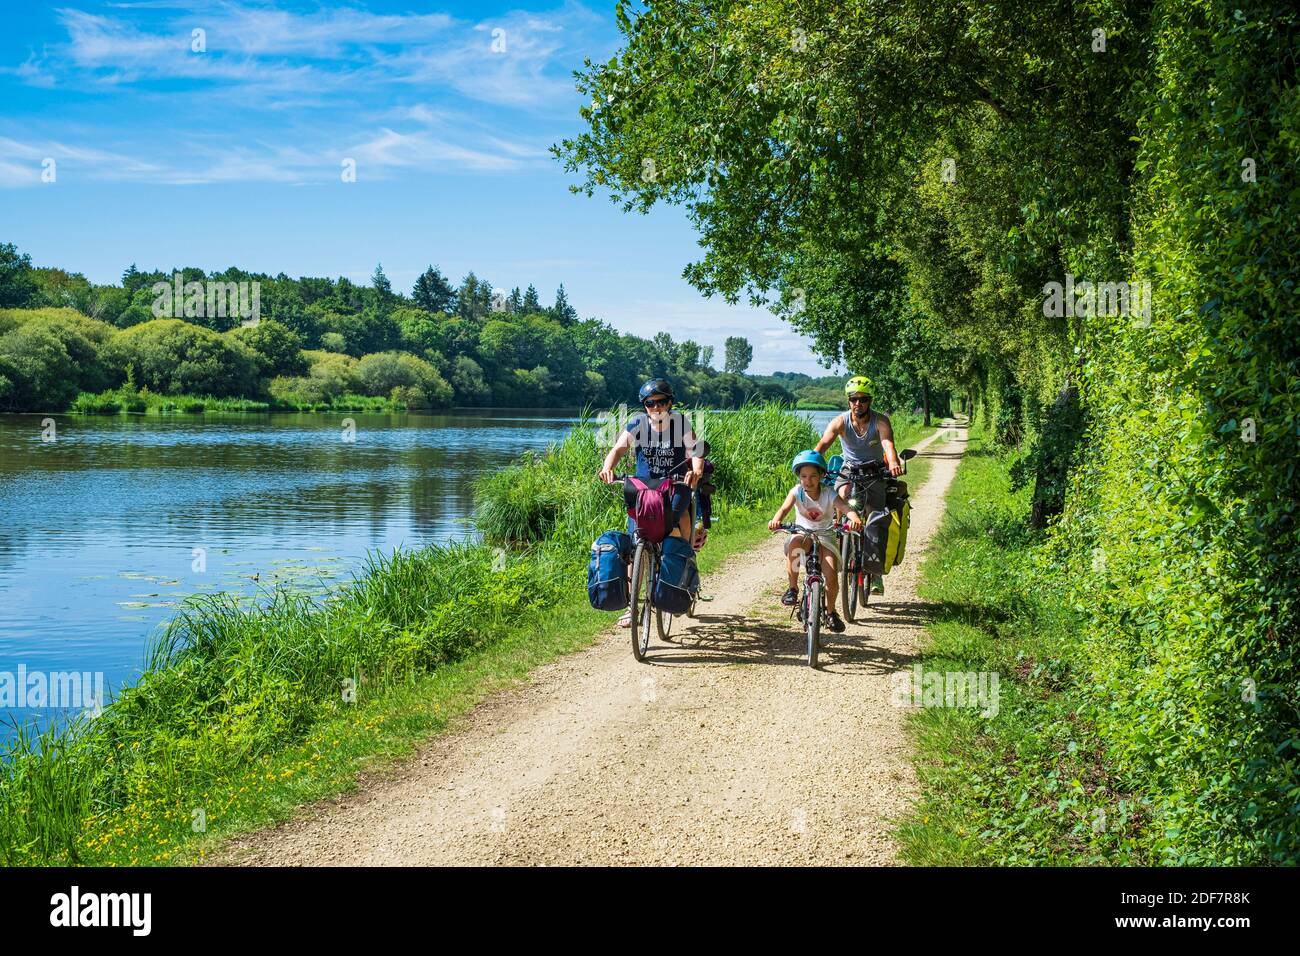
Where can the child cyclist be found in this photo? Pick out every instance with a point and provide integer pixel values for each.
(816, 505)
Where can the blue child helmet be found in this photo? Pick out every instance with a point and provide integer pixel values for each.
(808, 457)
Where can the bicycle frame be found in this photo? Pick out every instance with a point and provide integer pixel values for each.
(811, 618)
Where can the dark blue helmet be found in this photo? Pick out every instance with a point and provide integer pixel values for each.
(657, 386)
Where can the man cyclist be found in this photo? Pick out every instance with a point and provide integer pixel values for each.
(865, 436)
(663, 440)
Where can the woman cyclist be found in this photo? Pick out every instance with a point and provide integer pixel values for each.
(663, 440)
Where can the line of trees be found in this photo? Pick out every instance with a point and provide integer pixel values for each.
(320, 339)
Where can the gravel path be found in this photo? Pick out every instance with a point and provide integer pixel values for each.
(724, 748)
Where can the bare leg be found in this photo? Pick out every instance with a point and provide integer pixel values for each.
(798, 552)
(832, 580)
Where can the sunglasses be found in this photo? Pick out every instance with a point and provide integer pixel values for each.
(857, 399)
(656, 402)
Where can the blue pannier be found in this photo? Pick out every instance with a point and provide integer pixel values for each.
(607, 587)
(679, 578)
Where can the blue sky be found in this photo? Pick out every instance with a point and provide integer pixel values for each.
(165, 156)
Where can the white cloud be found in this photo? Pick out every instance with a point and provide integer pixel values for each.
(22, 163)
(211, 160)
(252, 51)
(270, 73)
(391, 148)
(13, 174)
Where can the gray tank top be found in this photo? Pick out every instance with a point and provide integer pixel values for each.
(859, 449)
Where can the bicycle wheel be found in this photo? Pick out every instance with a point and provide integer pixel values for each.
(813, 621)
(664, 625)
(641, 608)
(861, 580)
(848, 574)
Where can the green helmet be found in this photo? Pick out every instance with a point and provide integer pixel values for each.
(808, 457)
(858, 384)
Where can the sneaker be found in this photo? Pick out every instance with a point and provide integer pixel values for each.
(877, 585)
(836, 624)
(789, 597)
(625, 620)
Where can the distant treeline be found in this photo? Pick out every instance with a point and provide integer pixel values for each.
(321, 342)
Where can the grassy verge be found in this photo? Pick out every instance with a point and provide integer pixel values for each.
(1030, 784)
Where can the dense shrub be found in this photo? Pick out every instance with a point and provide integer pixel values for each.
(34, 363)
(50, 355)
(301, 390)
(276, 348)
(336, 372)
(174, 357)
(380, 373)
(332, 342)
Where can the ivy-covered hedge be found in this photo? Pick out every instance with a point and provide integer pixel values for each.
(1181, 531)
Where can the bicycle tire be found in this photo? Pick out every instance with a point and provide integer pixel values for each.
(848, 554)
(813, 621)
(664, 625)
(641, 604)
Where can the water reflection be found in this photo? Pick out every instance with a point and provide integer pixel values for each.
(98, 529)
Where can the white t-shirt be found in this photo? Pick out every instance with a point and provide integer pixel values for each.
(816, 515)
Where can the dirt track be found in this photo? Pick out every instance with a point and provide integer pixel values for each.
(724, 748)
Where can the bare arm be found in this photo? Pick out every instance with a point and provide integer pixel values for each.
(887, 444)
(615, 454)
(781, 512)
(832, 432)
(842, 509)
(697, 461)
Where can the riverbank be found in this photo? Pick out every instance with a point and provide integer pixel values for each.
(245, 712)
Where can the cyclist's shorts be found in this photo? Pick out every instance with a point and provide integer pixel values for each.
(828, 543)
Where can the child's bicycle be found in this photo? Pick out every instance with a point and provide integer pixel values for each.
(811, 609)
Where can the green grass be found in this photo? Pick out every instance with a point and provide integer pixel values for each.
(236, 780)
(125, 399)
(1030, 785)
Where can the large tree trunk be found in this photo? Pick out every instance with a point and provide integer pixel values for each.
(925, 400)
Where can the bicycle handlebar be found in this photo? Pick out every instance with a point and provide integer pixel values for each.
(618, 478)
